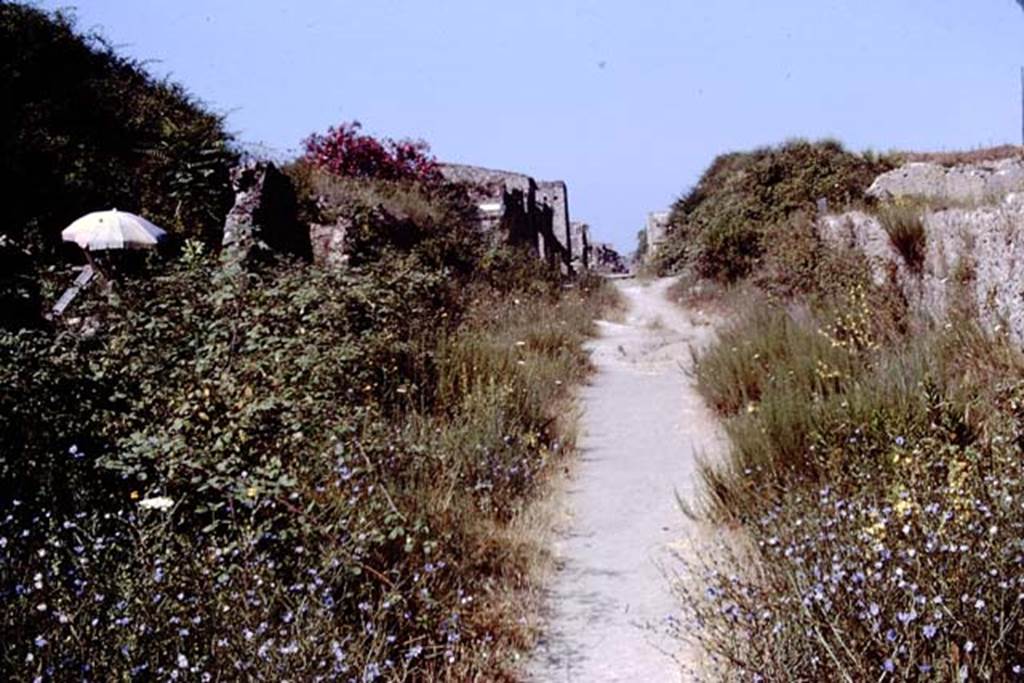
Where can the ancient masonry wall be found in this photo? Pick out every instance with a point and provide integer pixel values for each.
(555, 195)
(973, 247)
(513, 208)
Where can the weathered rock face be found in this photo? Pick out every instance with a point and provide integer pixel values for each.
(264, 218)
(965, 183)
(972, 256)
(516, 209)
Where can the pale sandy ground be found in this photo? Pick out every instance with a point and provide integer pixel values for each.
(643, 424)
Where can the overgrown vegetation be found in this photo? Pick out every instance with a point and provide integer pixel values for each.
(874, 479)
(87, 129)
(303, 473)
(722, 227)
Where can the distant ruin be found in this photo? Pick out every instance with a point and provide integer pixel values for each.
(516, 209)
(655, 229)
(605, 259)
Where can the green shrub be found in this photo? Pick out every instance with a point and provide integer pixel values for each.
(722, 227)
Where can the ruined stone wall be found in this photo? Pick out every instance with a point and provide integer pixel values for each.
(973, 253)
(520, 210)
(506, 202)
(512, 208)
(264, 217)
(555, 195)
(962, 183)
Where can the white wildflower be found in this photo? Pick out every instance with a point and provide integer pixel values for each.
(158, 503)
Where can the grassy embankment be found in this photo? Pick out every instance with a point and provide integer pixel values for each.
(876, 469)
(277, 471)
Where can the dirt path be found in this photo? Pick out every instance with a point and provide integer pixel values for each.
(643, 423)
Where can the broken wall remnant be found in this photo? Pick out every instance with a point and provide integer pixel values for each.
(605, 259)
(971, 257)
(264, 218)
(579, 241)
(555, 195)
(655, 228)
(328, 243)
(972, 254)
(512, 208)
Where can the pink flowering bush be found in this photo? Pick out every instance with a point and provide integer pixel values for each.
(343, 150)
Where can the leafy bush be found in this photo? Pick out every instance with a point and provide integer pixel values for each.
(87, 129)
(722, 227)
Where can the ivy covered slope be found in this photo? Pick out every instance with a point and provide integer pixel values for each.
(282, 471)
(87, 127)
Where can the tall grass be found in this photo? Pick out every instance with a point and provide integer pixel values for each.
(904, 224)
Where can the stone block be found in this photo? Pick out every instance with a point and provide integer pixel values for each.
(264, 218)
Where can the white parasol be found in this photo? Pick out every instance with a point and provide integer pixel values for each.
(113, 230)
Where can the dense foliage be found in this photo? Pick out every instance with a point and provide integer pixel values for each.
(722, 226)
(85, 129)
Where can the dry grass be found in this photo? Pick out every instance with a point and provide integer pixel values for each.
(517, 364)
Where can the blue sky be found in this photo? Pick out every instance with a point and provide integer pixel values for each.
(627, 101)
